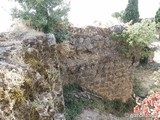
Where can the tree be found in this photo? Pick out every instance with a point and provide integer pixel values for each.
(157, 20)
(157, 16)
(131, 12)
(118, 15)
(44, 15)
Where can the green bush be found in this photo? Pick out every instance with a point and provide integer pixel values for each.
(73, 105)
(118, 15)
(118, 108)
(49, 16)
(135, 40)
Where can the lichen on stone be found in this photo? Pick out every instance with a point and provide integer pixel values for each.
(28, 77)
(17, 94)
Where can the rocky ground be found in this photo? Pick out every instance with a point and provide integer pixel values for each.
(96, 115)
(30, 87)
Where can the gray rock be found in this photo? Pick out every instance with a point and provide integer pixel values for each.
(117, 29)
(59, 117)
(51, 39)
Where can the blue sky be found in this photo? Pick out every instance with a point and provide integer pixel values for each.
(85, 12)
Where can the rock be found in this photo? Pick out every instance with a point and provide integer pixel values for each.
(30, 62)
(27, 66)
(117, 29)
(51, 39)
(82, 95)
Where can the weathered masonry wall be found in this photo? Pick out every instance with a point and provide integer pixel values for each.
(30, 85)
(96, 65)
(32, 67)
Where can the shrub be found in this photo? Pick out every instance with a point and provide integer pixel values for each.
(118, 15)
(118, 108)
(73, 104)
(135, 40)
(44, 15)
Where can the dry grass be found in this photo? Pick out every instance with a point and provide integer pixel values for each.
(21, 30)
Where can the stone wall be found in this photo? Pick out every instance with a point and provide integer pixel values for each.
(96, 65)
(32, 66)
(30, 85)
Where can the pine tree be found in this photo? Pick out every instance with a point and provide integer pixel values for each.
(131, 12)
(157, 17)
(157, 20)
(44, 15)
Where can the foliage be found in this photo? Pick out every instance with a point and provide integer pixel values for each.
(137, 88)
(150, 106)
(44, 15)
(73, 105)
(131, 12)
(134, 41)
(118, 108)
(118, 15)
(157, 17)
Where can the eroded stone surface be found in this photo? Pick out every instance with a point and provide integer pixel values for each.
(96, 65)
(30, 85)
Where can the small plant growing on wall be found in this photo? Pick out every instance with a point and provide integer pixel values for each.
(135, 40)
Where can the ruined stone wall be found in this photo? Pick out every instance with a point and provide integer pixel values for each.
(30, 85)
(96, 65)
(30, 75)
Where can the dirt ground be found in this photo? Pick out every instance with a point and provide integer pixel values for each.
(96, 115)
